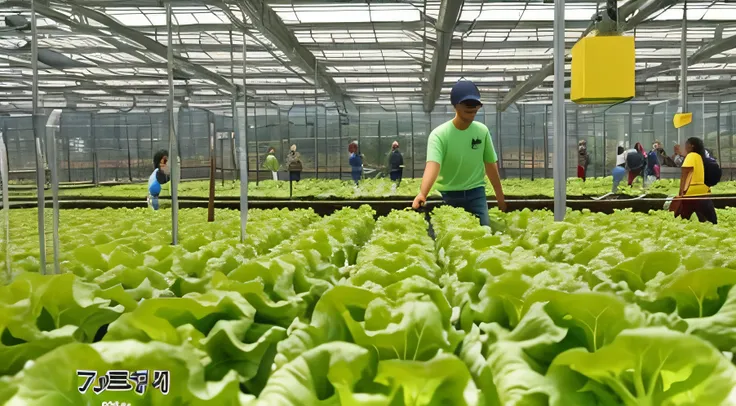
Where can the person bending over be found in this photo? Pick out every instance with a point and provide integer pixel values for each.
(160, 176)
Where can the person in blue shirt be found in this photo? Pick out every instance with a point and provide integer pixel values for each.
(356, 162)
(160, 176)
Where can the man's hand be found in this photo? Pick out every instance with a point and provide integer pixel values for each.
(502, 204)
(419, 201)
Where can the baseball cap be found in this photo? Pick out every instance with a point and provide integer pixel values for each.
(464, 90)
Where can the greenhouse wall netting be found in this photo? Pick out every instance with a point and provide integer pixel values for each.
(119, 146)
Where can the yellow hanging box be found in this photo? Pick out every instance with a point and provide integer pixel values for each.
(603, 70)
(682, 119)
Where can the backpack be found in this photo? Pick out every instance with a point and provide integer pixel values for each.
(712, 171)
(635, 160)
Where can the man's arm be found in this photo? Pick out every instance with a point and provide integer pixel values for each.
(495, 178)
(490, 159)
(431, 172)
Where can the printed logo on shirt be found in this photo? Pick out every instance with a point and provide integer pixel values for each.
(474, 144)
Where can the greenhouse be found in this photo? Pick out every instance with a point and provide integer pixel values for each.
(367, 202)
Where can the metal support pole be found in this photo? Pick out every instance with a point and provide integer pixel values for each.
(127, 143)
(546, 141)
(558, 107)
(730, 139)
(665, 123)
(268, 129)
(702, 112)
(288, 142)
(4, 168)
(631, 123)
(258, 150)
(54, 167)
(522, 132)
(174, 148)
(413, 157)
(222, 160)
(339, 143)
(534, 151)
(306, 125)
(500, 143)
(605, 144)
(327, 154)
(243, 141)
(378, 144)
(718, 131)
(681, 132)
(316, 151)
(40, 170)
(69, 158)
(213, 169)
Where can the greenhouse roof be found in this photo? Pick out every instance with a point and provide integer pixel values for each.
(113, 53)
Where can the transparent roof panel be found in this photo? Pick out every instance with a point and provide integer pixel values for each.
(374, 52)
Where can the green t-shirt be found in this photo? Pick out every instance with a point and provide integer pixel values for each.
(272, 164)
(461, 154)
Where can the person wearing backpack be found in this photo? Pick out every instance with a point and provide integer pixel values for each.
(654, 163)
(699, 171)
(294, 164)
(636, 161)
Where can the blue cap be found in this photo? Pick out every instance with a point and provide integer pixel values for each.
(464, 90)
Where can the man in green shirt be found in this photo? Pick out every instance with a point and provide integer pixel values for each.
(459, 155)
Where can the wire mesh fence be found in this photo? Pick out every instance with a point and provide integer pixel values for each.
(119, 147)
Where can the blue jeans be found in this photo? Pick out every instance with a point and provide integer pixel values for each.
(356, 175)
(618, 175)
(154, 202)
(473, 201)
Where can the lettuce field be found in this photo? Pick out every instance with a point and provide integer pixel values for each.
(600, 310)
(376, 188)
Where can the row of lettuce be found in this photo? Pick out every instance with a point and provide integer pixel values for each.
(623, 309)
(334, 188)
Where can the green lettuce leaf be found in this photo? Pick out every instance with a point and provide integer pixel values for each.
(39, 313)
(52, 379)
(697, 292)
(507, 366)
(654, 367)
(409, 321)
(341, 373)
(720, 328)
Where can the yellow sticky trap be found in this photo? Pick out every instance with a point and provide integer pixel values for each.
(603, 70)
(682, 119)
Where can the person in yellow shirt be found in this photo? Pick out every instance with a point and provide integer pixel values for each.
(693, 190)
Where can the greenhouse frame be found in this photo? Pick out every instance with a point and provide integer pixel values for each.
(374, 70)
(263, 202)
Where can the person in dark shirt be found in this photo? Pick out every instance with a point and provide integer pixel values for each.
(294, 164)
(583, 159)
(395, 165)
(160, 176)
